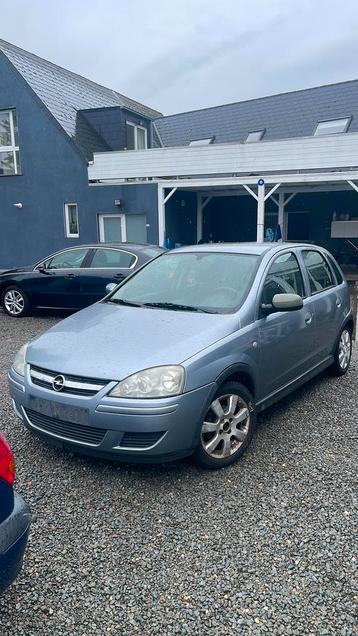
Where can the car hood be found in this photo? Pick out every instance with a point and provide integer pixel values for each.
(17, 270)
(109, 341)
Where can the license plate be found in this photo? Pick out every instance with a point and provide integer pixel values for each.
(73, 414)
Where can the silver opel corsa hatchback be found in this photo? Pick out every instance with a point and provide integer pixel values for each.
(181, 357)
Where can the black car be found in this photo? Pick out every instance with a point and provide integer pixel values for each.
(72, 278)
(15, 519)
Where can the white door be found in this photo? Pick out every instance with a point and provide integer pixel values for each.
(119, 228)
(112, 228)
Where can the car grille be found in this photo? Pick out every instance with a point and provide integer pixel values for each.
(73, 384)
(140, 440)
(66, 430)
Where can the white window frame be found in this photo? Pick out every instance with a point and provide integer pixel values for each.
(13, 148)
(136, 127)
(67, 221)
(205, 141)
(101, 218)
(255, 132)
(347, 121)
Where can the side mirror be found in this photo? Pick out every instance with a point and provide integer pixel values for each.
(110, 287)
(287, 302)
(283, 302)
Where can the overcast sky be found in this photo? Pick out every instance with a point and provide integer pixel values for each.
(189, 54)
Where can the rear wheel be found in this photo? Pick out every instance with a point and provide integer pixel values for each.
(15, 303)
(343, 352)
(227, 428)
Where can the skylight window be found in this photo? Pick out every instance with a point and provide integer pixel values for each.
(255, 135)
(333, 126)
(202, 142)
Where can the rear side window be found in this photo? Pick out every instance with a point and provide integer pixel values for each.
(112, 258)
(337, 271)
(284, 277)
(319, 273)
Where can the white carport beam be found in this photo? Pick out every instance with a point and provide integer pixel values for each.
(281, 203)
(270, 193)
(353, 185)
(201, 204)
(260, 211)
(172, 191)
(250, 191)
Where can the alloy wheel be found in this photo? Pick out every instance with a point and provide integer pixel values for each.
(14, 302)
(226, 426)
(344, 349)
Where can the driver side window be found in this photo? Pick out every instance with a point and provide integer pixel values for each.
(283, 277)
(67, 260)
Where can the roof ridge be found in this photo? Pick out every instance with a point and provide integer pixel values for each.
(82, 77)
(257, 99)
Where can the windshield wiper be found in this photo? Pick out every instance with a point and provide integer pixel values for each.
(177, 307)
(121, 301)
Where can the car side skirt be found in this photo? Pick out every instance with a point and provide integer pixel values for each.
(294, 384)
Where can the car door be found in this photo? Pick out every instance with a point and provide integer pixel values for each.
(285, 337)
(326, 299)
(57, 284)
(105, 265)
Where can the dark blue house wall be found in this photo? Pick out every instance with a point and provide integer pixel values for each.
(53, 172)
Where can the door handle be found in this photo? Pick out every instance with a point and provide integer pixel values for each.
(339, 302)
(308, 319)
(70, 276)
(119, 276)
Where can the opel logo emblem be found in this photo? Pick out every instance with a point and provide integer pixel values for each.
(58, 383)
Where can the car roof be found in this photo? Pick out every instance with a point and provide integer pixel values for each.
(242, 248)
(132, 246)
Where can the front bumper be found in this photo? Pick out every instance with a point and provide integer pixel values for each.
(13, 540)
(124, 429)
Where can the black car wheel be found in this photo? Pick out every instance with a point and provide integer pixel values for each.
(15, 302)
(227, 428)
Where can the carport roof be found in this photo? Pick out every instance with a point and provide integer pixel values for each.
(282, 116)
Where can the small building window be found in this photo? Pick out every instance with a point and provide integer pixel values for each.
(9, 144)
(333, 126)
(255, 135)
(71, 220)
(136, 136)
(202, 142)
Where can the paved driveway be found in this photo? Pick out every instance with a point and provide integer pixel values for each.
(265, 547)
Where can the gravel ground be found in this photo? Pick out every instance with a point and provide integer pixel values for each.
(265, 547)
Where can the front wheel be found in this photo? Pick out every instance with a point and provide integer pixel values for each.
(343, 352)
(227, 428)
(15, 302)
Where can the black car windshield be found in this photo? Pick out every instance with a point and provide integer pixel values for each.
(213, 282)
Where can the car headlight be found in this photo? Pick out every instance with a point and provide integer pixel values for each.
(156, 382)
(19, 362)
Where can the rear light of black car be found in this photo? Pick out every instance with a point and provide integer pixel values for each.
(7, 462)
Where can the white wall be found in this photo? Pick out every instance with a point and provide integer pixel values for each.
(307, 153)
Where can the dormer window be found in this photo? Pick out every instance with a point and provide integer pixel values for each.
(136, 136)
(9, 144)
(255, 135)
(202, 142)
(333, 126)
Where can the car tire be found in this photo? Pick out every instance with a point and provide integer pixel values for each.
(343, 352)
(15, 302)
(228, 427)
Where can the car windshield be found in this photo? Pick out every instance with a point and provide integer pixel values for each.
(212, 282)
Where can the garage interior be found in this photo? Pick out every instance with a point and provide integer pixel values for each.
(230, 215)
